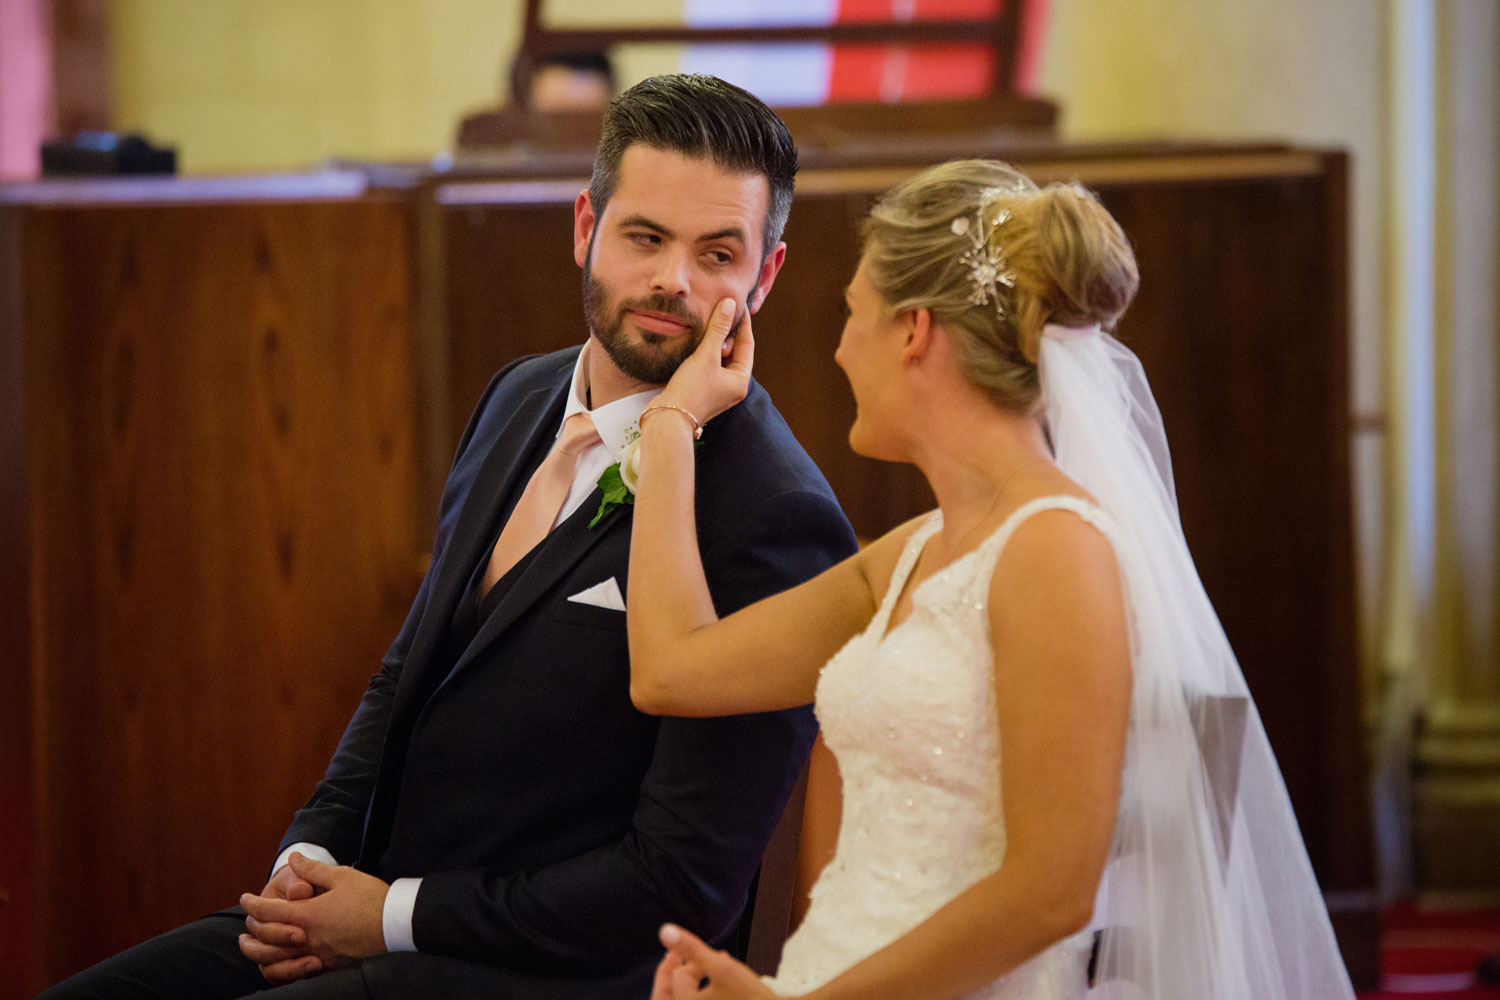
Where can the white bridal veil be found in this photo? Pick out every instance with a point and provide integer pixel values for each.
(1209, 894)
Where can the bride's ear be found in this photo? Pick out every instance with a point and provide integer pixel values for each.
(916, 330)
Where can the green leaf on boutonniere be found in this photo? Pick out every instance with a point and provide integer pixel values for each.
(615, 493)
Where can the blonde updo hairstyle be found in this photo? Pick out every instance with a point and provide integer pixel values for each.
(1072, 264)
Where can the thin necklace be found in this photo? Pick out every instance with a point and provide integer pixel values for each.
(922, 556)
(993, 501)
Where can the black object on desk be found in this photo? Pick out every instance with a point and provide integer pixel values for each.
(105, 154)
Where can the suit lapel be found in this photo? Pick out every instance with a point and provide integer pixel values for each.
(563, 548)
(517, 450)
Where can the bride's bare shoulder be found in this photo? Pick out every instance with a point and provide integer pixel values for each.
(1058, 565)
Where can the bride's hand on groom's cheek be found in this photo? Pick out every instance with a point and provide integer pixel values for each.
(716, 376)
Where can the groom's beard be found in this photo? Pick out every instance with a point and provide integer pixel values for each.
(656, 356)
(656, 359)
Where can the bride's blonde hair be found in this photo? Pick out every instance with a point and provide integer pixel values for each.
(1070, 263)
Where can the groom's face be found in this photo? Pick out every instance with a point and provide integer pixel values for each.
(678, 234)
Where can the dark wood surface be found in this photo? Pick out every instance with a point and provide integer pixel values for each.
(207, 506)
(24, 911)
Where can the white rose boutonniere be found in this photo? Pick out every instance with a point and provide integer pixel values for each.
(619, 480)
(630, 463)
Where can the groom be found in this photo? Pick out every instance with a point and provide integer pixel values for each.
(512, 826)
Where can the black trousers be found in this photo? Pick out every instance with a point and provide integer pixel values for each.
(202, 961)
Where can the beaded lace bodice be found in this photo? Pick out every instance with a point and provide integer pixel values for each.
(909, 714)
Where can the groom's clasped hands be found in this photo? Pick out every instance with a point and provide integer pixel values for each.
(313, 916)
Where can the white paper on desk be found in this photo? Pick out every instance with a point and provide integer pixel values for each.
(602, 595)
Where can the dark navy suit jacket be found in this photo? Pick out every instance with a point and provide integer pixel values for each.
(554, 825)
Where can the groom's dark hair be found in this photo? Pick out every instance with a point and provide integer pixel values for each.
(698, 115)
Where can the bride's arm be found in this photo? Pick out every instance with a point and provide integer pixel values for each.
(683, 659)
(1062, 680)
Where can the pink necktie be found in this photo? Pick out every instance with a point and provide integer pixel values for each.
(542, 498)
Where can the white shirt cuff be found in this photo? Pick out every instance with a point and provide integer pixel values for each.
(395, 919)
(312, 851)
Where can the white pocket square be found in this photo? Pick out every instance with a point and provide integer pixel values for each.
(602, 595)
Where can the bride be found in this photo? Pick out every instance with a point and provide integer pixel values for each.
(1053, 777)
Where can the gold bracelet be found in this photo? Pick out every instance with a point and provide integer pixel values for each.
(697, 427)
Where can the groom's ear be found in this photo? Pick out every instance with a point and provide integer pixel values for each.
(583, 227)
(769, 268)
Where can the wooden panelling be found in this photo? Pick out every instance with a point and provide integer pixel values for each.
(23, 907)
(1241, 326)
(218, 473)
(512, 289)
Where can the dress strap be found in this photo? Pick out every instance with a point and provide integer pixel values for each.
(904, 566)
(988, 551)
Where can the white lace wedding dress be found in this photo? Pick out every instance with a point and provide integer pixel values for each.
(910, 716)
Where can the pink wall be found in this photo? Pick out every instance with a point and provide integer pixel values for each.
(25, 84)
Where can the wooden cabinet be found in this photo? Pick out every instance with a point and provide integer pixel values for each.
(207, 505)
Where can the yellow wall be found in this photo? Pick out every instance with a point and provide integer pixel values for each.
(1282, 70)
(251, 85)
(256, 85)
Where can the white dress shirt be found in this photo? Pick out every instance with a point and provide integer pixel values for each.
(615, 423)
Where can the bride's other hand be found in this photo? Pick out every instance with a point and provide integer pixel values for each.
(661, 985)
(716, 376)
(693, 969)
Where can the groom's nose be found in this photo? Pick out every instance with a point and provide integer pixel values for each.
(672, 273)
